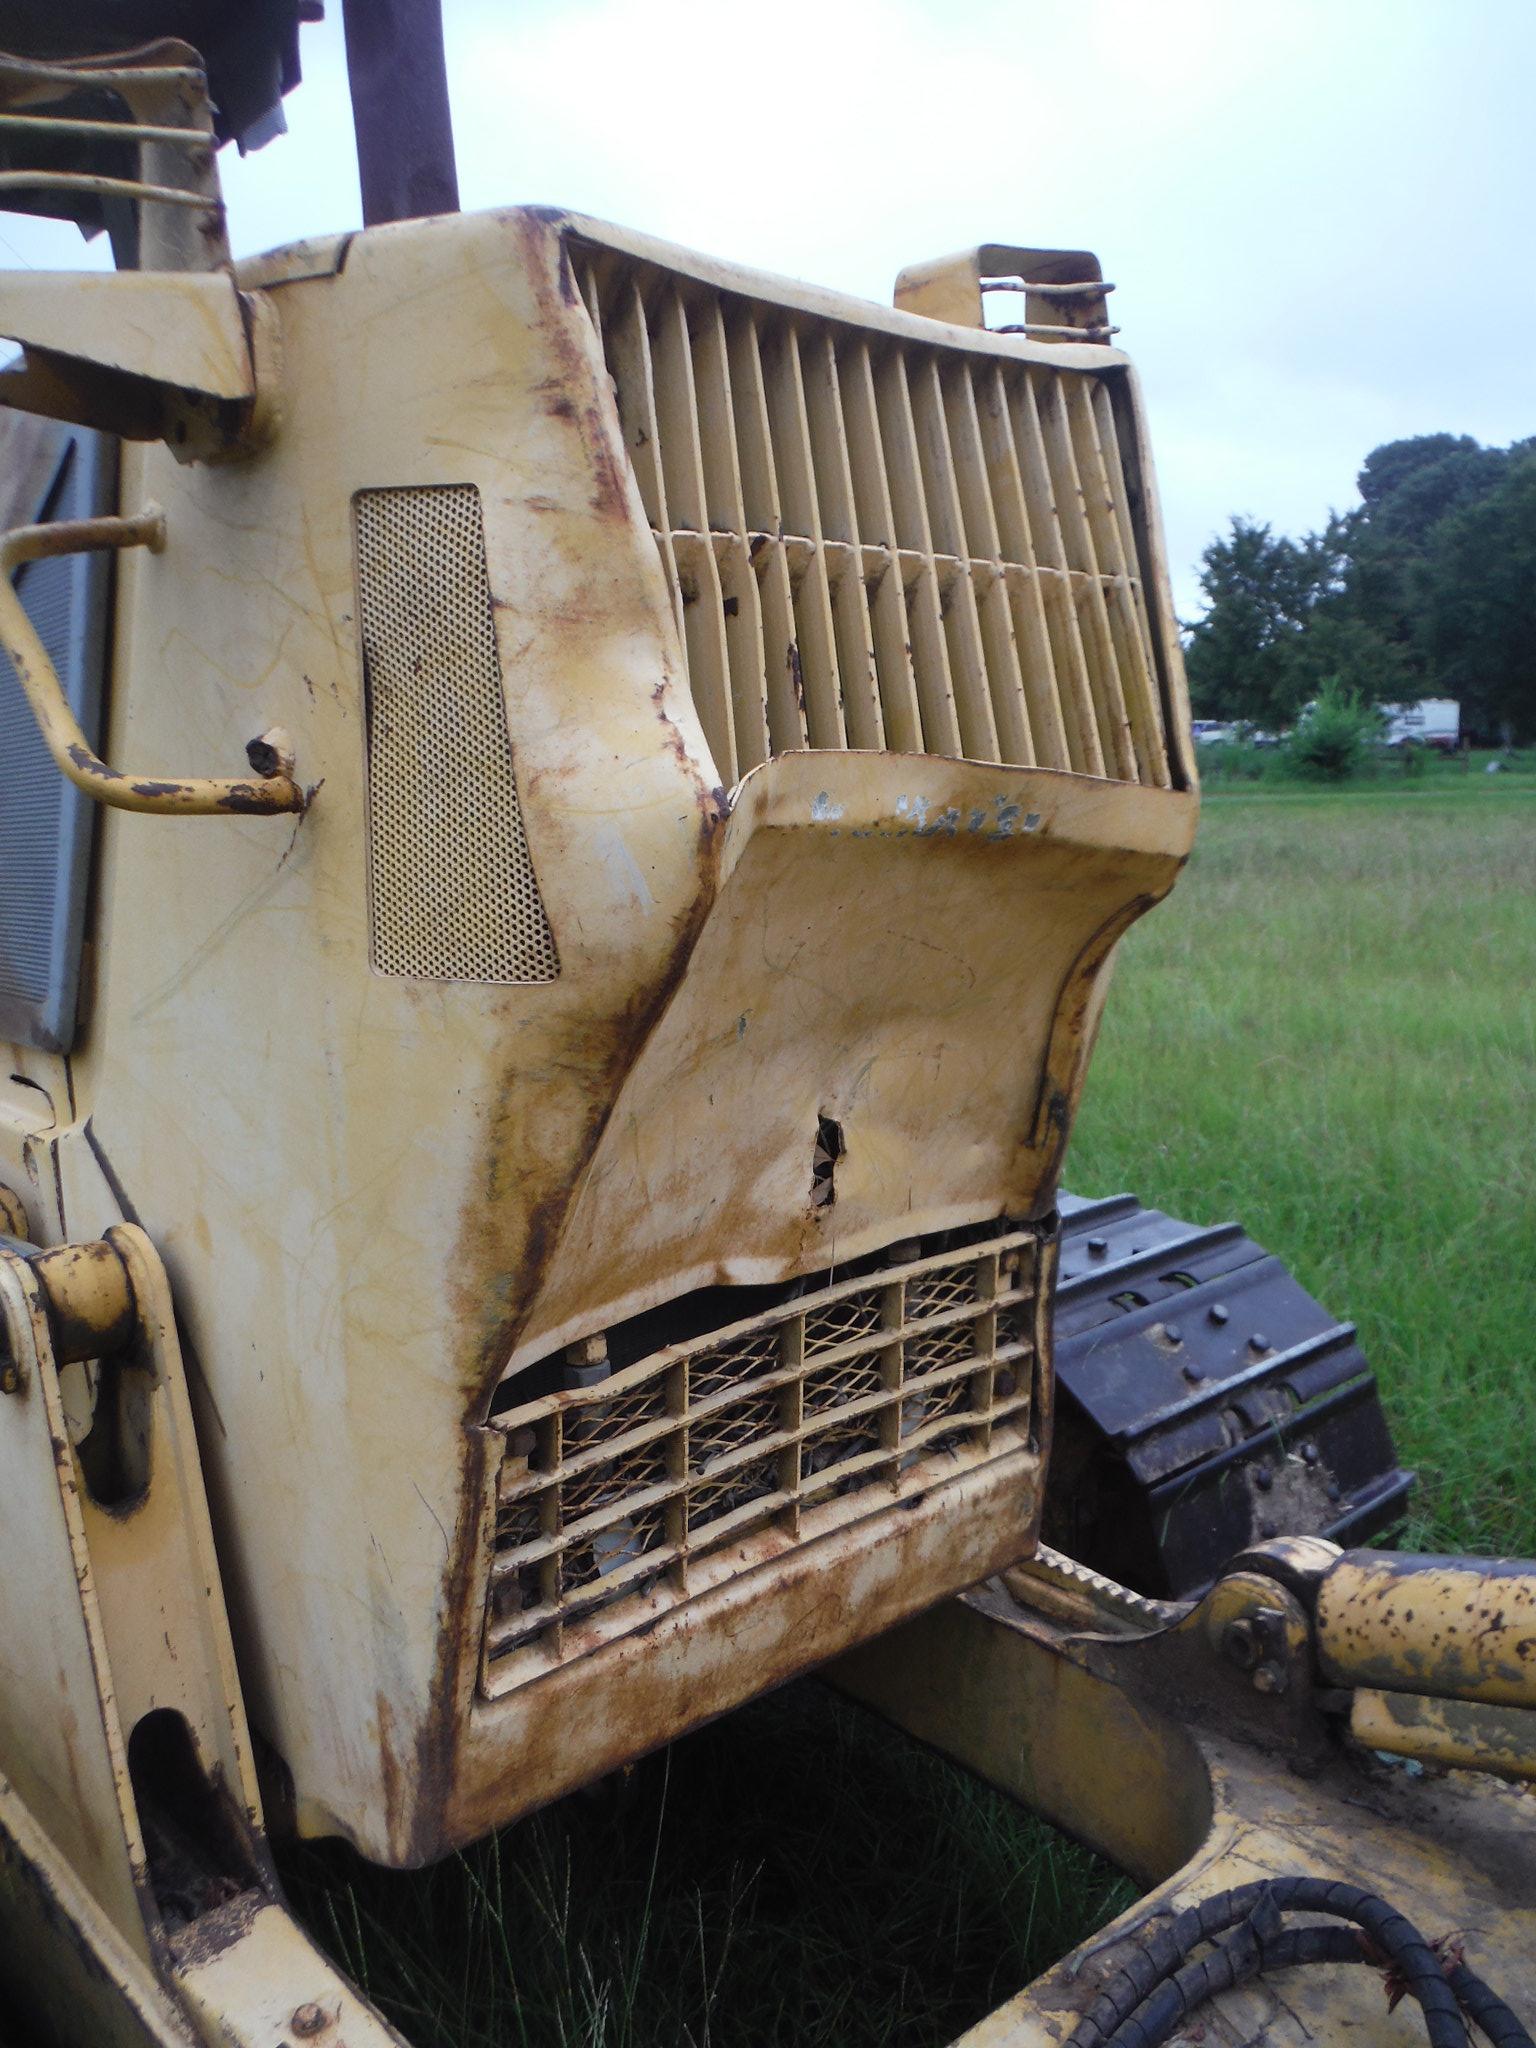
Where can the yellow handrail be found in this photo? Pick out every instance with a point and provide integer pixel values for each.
(187, 797)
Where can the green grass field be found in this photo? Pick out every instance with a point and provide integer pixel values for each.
(1328, 1032)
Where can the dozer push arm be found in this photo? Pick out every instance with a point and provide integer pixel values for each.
(1218, 1747)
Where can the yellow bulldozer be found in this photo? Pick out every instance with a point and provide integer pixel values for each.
(530, 1181)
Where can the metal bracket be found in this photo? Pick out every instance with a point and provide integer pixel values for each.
(121, 1723)
(1064, 293)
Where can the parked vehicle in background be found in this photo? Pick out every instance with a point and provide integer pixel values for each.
(1212, 732)
(1431, 722)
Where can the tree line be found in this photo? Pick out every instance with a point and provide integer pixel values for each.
(1426, 589)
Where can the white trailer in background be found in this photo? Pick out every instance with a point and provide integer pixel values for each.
(1431, 722)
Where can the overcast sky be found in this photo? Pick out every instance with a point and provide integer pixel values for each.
(1318, 212)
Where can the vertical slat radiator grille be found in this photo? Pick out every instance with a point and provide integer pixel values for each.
(620, 1500)
(877, 543)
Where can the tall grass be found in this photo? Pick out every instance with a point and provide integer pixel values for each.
(1328, 1032)
(796, 1874)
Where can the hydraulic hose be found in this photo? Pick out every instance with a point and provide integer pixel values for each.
(1160, 1985)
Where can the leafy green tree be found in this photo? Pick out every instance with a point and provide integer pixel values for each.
(1343, 649)
(1280, 624)
(1259, 590)
(1427, 588)
(1332, 739)
(1479, 604)
(1407, 489)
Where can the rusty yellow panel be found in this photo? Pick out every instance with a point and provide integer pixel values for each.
(184, 331)
(880, 932)
(732, 976)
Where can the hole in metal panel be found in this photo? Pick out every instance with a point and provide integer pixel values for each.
(197, 1852)
(826, 1152)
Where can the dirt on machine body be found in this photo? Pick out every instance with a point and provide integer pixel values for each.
(581, 804)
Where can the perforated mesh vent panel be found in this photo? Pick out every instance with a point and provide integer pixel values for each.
(451, 888)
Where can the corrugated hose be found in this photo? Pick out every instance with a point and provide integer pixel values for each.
(1157, 1989)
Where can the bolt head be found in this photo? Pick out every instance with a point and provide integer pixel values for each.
(1171, 1332)
(1219, 1312)
(309, 2020)
(1263, 1478)
(1098, 1246)
(1240, 1644)
(1309, 1453)
(10, 1377)
(1258, 1342)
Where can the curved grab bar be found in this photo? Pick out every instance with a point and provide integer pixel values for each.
(205, 796)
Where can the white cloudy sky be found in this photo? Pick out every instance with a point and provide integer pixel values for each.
(1318, 212)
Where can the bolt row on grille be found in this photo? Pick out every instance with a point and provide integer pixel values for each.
(619, 1500)
(877, 543)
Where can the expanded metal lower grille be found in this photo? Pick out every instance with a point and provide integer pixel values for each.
(451, 888)
(876, 543)
(619, 1500)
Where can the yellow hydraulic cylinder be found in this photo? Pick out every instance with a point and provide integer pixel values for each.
(1453, 1628)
